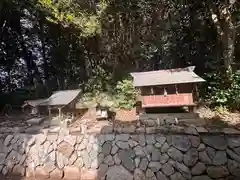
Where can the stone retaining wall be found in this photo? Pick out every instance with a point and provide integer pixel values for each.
(195, 154)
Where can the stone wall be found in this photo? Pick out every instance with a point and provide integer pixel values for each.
(196, 153)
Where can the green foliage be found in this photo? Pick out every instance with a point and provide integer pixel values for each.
(64, 44)
(220, 93)
(68, 12)
(93, 99)
(125, 94)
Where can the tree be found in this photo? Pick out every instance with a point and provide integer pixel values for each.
(223, 16)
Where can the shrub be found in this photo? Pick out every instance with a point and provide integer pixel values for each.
(221, 94)
(125, 94)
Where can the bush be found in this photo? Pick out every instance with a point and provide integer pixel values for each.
(122, 95)
(125, 94)
(221, 94)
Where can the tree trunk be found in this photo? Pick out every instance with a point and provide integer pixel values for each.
(222, 19)
(45, 63)
(228, 41)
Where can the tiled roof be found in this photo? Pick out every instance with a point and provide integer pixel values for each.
(165, 77)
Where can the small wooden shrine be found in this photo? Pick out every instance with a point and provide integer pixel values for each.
(167, 88)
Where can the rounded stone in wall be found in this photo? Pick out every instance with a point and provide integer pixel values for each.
(201, 147)
(154, 166)
(56, 174)
(195, 141)
(217, 142)
(102, 170)
(142, 140)
(175, 154)
(220, 158)
(156, 155)
(201, 178)
(161, 176)
(86, 159)
(167, 169)
(204, 157)
(8, 140)
(139, 151)
(118, 173)
(177, 176)
(234, 167)
(122, 144)
(71, 172)
(79, 162)
(183, 169)
(109, 160)
(164, 158)
(117, 160)
(165, 147)
(19, 170)
(107, 147)
(65, 148)
(237, 150)
(149, 173)
(126, 156)
(211, 152)
(150, 139)
(233, 142)
(132, 143)
(182, 143)
(41, 173)
(122, 137)
(139, 174)
(217, 171)
(160, 139)
(95, 164)
(198, 168)
(143, 164)
(191, 157)
(73, 158)
(137, 161)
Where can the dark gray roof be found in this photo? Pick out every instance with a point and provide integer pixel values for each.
(165, 77)
(60, 98)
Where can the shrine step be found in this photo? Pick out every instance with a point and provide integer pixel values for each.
(169, 116)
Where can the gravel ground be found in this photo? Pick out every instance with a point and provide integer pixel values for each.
(220, 118)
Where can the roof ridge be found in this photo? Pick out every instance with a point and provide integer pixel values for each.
(187, 69)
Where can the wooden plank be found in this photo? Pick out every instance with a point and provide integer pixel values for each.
(184, 99)
(167, 105)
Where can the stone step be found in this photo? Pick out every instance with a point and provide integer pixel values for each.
(154, 122)
(169, 116)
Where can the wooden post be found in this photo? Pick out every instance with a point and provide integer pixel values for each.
(165, 91)
(197, 93)
(59, 112)
(176, 88)
(152, 91)
(49, 112)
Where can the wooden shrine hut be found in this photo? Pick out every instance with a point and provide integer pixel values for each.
(32, 106)
(62, 101)
(167, 88)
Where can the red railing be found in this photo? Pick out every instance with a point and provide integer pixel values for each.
(185, 99)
